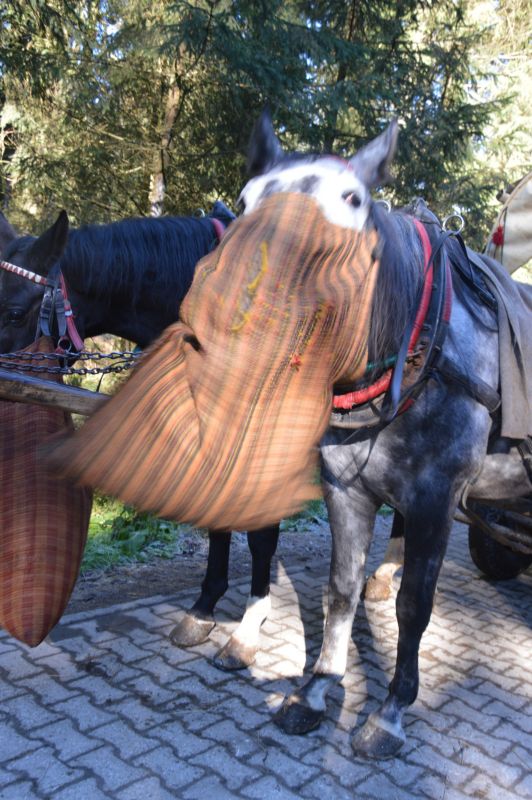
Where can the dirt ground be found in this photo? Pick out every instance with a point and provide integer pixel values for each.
(186, 570)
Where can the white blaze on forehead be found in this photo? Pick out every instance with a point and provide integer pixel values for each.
(328, 180)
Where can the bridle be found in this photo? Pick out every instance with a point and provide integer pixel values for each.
(55, 305)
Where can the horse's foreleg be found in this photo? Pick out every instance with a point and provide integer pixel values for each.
(351, 517)
(241, 649)
(197, 623)
(379, 585)
(427, 528)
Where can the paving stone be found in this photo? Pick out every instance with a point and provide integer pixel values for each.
(68, 741)
(151, 692)
(382, 785)
(197, 720)
(19, 790)
(269, 787)
(483, 786)
(173, 655)
(88, 789)
(515, 699)
(46, 771)
(494, 745)
(83, 711)
(234, 772)
(519, 720)
(9, 690)
(147, 789)
(248, 719)
(164, 762)
(524, 787)
(14, 745)
(347, 770)
(484, 722)
(7, 643)
(127, 741)
(111, 771)
(183, 742)
(61, 667)
(502, 774)
(48, 690)
(211, 788)
(290, 770)
(239, 744)
(29, 714)
(17, 665)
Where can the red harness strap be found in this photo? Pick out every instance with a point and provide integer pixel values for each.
(73, 333)
(219, 228)
(356, 398)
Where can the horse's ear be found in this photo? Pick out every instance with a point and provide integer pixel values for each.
(264, 147)
(48, 248)
(7, 233)
(372, 161)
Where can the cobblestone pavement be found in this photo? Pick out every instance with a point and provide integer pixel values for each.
(107, 708)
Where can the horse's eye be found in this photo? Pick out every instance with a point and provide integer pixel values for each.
(14, 315)
(352, 198)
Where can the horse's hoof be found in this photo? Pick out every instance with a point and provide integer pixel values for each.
(377, 589)
(234, 655)
(191, 631)
(378, 739)
(296, 718)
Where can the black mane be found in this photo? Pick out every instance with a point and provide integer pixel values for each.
(155, 255)
(399, 281)
(126, 258)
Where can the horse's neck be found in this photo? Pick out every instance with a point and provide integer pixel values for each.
(110, 295)
(398, 284)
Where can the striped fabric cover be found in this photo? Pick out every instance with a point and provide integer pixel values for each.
(43, 521)
(219, 424)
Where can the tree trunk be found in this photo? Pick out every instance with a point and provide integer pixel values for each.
(158, 176)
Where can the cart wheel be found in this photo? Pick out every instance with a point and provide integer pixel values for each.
(494, 559)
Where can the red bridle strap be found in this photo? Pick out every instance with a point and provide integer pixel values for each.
(219, 228)
(73, 334)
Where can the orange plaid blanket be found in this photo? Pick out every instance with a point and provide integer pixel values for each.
(43, 521)
(220, 422)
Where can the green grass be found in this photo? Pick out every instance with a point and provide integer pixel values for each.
(120, 535)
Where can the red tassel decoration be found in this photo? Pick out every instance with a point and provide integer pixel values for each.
(498, 236)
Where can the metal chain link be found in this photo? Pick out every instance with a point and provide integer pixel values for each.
(11, 361)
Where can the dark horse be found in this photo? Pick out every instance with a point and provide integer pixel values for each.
(129, 278)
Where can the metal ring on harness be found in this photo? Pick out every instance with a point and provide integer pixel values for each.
(461, 224)
(386, 203)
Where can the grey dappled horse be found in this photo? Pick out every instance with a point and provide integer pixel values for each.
(423, 460)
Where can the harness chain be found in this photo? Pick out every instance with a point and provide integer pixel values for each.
(11, 361)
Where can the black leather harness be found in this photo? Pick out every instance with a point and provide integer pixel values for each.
(427, 361)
